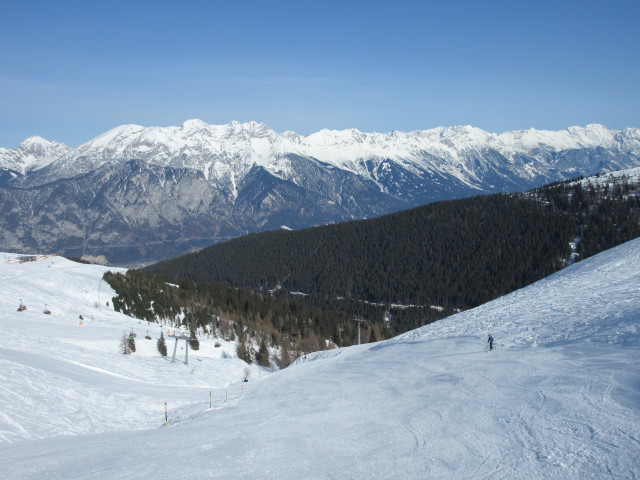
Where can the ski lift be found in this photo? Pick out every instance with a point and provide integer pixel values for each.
(46, 310)
(21, 307)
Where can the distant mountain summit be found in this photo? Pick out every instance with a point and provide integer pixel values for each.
(144, 193)
(32, 154)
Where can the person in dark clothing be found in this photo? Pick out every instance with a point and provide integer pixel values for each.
(490, 341)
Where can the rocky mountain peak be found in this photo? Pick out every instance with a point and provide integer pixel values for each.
(32, 154)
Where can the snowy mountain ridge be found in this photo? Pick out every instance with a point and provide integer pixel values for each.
(149, 193)
(236, 147)
(32, 154)
(558, 398)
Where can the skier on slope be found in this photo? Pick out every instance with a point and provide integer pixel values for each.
(490, 342)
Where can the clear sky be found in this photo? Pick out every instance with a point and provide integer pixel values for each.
(70, 70)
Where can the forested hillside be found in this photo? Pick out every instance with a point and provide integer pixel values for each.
(425, 263)
(257, 322)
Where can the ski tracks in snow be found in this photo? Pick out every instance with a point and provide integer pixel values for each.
(421, 426)
(570, 439)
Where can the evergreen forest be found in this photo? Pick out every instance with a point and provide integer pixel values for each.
(299, 291)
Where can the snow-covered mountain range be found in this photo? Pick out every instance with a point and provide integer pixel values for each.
(559, 397)
(230, 151)
(148, 192)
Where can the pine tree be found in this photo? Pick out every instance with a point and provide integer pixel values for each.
(285, 355)
(124, 344)
(195, 343)
(373, 337)
(162, 346)
(243, 352)
(263, 355)
(132, 343)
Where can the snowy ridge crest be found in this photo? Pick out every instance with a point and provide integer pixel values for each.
(221, 151)
(32, 154)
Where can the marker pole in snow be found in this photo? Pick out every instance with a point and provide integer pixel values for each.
(359, 320)
(209, 399)
(166, 419)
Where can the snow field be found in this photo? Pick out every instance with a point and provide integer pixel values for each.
(51, 383)
(558, 398)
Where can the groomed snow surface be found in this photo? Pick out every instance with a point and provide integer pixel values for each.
(558, 398)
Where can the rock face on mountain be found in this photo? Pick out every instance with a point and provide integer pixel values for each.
(137, 194)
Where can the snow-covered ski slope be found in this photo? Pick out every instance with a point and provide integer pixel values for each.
(558, 398)
(62, 375)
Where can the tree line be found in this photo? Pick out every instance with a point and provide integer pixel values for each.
(215, 310)
(300, 290)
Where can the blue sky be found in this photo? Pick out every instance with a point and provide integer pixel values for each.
(70, 70)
